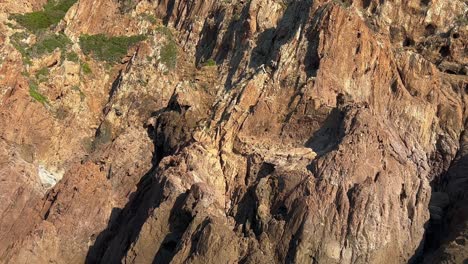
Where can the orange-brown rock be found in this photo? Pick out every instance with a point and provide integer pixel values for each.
(287, 132)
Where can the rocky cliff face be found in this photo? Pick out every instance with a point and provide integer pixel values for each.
(259, 131)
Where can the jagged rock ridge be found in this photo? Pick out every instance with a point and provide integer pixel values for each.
(255, 131)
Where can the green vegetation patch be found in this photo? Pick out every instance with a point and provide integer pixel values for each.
(343, 3)
(34, 93)
(77, 89)
(150, 18)
(109, 49)
(85, 68)
(46, 43)
(52, 13)
(165, 31)
(126, 6)
(42, 75)
(169, 54)
(72, 56)
(18, 41)
(210, 63)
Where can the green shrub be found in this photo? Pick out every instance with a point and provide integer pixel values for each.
(34, 93)
(85, 68)
(150, 18)
(53, 12)
(169, 54)
(342, 3)
(10, 25)
(210, 63)
(17, 40)
(34, 21)
(165, 31)
(44, 71)
(48, 43)
(125, 6)
(42, 74)
(72, 56)
(77, 89)
(110, 49)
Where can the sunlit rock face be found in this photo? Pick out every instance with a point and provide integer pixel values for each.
(235, 131)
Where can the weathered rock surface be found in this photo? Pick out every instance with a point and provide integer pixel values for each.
(287, 132)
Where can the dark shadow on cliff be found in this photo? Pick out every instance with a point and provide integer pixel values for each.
(179, 220)
(266, 51)
(170, 133)
(207, 43)
(297, 17)
(169, 10)
(131, 217)
(330, 134)
(312, 58)
(246, 200)
(236, 42)
(269, 43)
(447, 223)
(195, 237)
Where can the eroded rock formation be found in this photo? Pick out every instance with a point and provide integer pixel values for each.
(259, 131)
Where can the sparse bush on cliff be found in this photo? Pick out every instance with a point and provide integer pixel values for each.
(103, 136)
(150, 18)
(17, 40)
(36, 95)
(52, 13)
(342, 3)
(109, 49)
(76, 88)
(48, 43)
(210, 63)
(42, 74)
(165, 31)
(169, 54)
(85, 68)
(72, 56)
(125, 6)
